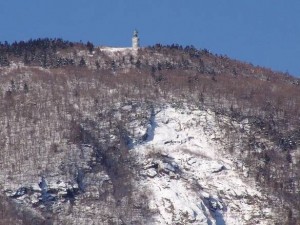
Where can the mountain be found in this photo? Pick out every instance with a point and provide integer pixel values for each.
(157, 135)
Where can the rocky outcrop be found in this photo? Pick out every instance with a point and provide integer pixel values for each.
(192, 180)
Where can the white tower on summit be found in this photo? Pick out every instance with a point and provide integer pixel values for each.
(135, 40)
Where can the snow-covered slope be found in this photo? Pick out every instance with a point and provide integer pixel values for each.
(158, 135)
(189, 178)
(182, 172)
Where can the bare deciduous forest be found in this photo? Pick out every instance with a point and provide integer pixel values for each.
(58, 96)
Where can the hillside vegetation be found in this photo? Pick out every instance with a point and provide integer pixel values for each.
(68, 108)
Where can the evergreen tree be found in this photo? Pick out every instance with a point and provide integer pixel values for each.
(82, 62)
(90, 47)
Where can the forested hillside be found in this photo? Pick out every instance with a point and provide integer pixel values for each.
(73, 115)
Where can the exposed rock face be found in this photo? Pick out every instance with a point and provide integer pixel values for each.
(195, 182)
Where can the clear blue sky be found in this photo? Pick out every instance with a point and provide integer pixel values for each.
(263, 32)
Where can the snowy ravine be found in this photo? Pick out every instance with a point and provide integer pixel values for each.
(189, 178)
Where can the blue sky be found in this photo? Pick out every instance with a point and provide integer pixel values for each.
(263, 32)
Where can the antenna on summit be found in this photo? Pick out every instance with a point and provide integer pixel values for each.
(135, 40)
